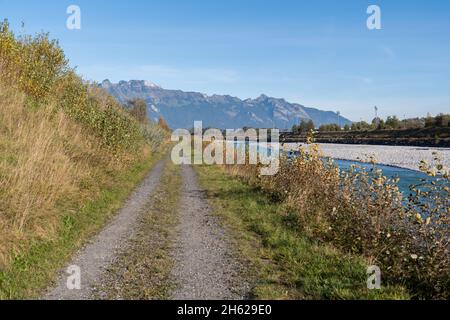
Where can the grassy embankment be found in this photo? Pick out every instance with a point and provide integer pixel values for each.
(284, 263)
(69, 156)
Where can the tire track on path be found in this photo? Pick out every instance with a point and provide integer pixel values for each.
(205, 266)
(98, 254)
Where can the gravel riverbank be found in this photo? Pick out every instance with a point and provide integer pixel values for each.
(404, 157)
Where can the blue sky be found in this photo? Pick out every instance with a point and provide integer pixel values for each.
(318, 53)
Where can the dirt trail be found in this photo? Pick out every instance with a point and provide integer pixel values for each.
(159, 229)
(142, 269)
(97, 255)
(205, 267)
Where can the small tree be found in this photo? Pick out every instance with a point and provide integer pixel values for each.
(442, 120)
(361, 126)
(138, 109)
(303, 127)
(429, 121)
(310, 126)
(333, 127)
(163, 124)
(392, 122)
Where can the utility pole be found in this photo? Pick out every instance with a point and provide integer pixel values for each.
(273, 118)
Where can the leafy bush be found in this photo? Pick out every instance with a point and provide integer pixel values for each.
(33, 63)
(154, 134)
(138, 109)
(102, 115)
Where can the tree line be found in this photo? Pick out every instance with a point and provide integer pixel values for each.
(390, 123)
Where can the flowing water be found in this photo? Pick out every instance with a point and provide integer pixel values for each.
(407, 177)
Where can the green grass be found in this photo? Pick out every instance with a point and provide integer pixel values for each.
(33, 271)
(283, 263)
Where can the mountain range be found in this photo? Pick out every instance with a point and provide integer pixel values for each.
(180, 109)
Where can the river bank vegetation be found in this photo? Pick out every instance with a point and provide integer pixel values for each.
(361, 212)
(283, 262)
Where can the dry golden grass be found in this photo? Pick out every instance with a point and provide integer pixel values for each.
(44, 157)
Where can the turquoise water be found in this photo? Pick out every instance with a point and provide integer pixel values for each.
(407, 177)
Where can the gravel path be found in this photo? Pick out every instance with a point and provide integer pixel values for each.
(404, 157)
(98, 254)
(204, 264)
(142, 270)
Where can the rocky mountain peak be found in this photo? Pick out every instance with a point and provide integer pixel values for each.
(181, 108)
(106, 83)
